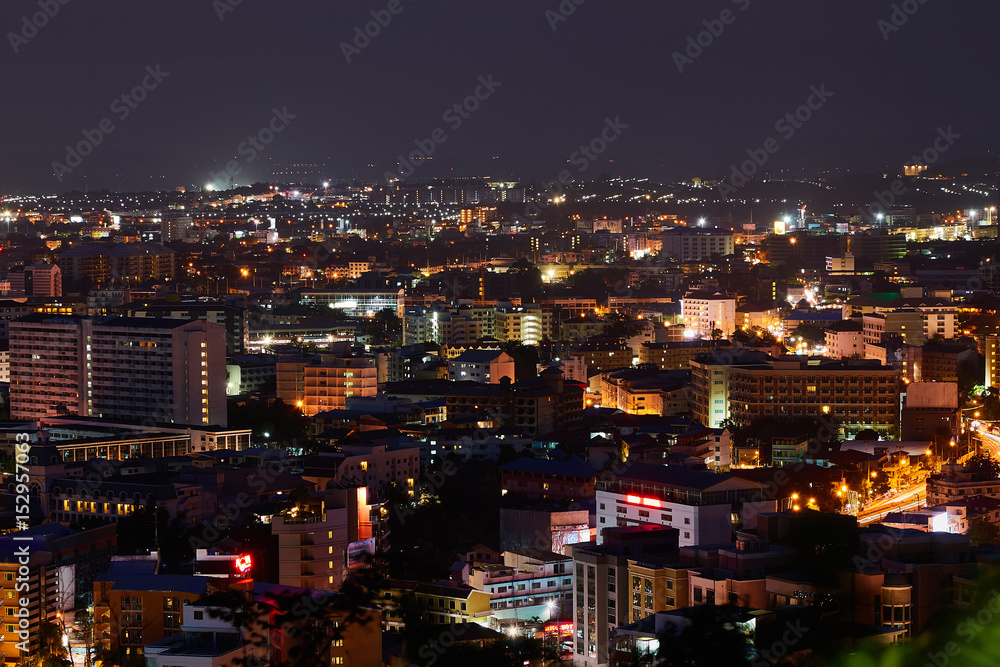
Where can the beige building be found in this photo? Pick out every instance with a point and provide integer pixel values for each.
(327, 382)
(858, 394)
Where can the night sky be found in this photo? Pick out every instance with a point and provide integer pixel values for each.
(606, 60)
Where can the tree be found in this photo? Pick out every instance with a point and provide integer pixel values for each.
(982, 531)
(986, 462)
(527, 279)
(620, 325)
(51, 652)
(710, 638)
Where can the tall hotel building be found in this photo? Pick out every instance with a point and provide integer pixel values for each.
(118, 368)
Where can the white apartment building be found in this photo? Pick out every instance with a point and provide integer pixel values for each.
(698, 503)
(702, 311)
(485, 366)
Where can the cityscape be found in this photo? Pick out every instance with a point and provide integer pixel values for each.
(588, 372)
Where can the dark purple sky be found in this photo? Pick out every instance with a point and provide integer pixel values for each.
(607, 59)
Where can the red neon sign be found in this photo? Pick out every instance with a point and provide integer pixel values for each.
(648, 502)
(564, 627)
(243, 563)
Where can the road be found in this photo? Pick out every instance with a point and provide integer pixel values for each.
(909, 499)
(991, 442)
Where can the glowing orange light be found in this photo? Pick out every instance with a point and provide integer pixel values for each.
(638, 500)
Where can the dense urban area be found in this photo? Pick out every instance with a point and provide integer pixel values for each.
(479, 421)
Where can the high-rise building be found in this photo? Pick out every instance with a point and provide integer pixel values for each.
(118, 368)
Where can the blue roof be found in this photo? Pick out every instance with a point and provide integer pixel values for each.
(182, 583)
(574, 467)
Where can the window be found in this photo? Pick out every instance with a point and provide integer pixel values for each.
(199, 615)
(697, 595)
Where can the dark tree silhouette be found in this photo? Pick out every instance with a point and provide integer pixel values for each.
(712, 638)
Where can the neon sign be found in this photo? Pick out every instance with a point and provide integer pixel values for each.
(243, 563)
(564, 627)
(648, 502)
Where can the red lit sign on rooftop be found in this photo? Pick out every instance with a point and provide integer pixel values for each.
(648, 502)
(243, 563)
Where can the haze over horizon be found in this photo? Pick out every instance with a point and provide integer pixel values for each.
(225, 72)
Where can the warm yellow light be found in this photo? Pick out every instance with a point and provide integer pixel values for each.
(844, 488)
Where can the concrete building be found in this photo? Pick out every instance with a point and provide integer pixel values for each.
(692, 244)
(704, 311)
(955, 482)
(486, 366)
(61, 566)
(906, 326)
(698, 503)
(36, 280)
(11, 309)
(602, 588)
(118, 368)
(121, 262)
(530, 582)
(677, 354)
(845, 340)
(326, 382)
(859, 394)
(525, 324)
(355, 303)
(134, 610)
(231, 317)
